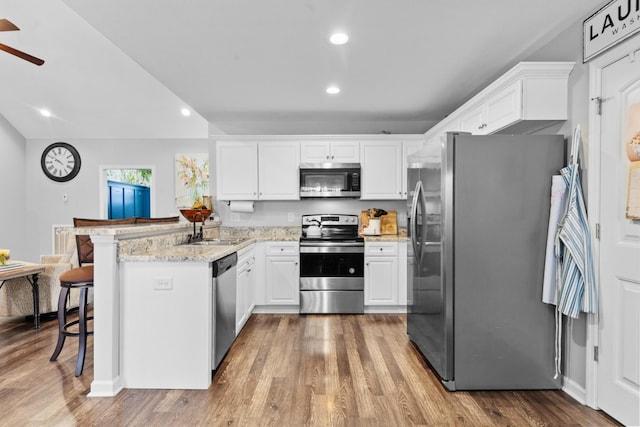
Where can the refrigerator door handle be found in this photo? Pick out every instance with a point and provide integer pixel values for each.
(423, 229)
(413, 222)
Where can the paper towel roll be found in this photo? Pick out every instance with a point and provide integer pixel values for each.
(241, 206)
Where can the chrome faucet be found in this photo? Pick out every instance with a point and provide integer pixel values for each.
(195, 237)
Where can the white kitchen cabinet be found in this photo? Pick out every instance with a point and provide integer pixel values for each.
(237, 170)
(329, 151)
(473, 120)
(246, 279)
(496, 112)
(167, 332)
(381, 175)
(278, 164)
(381, 284)
(282, 273)
(527, 98)
(252, 170)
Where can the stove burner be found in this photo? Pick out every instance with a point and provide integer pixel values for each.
(330, 227)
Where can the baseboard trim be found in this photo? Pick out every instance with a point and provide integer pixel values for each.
(575, 390)
(105, 388)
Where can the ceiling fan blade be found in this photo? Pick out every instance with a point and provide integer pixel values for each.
(21, 54)
(6, 25)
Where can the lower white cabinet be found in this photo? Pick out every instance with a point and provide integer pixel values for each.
(282, 273)
(167, 325)
(246, 280)
(381, 278)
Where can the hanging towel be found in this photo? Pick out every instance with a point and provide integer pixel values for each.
(558, 200)
(577, 288)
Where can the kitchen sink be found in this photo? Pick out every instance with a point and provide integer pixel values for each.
(218, 242)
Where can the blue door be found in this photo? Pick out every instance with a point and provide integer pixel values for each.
(127, 200)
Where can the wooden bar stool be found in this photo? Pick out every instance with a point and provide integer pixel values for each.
(80, 278)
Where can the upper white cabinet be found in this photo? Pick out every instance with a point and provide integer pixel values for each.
(250, 170)
(236, 170)
(329, 151)
(278, 170)
(381, 174)
(384, 168)
(527, 98)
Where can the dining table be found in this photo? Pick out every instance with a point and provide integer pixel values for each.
(30, 271)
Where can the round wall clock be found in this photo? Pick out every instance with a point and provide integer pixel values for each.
(60, 162)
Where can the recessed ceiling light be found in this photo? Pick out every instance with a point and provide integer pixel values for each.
(339, 38)
(333, 90)
(45, 112)
(185, 112)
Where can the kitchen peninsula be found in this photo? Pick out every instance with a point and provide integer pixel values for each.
(122, 253)
(115, 246)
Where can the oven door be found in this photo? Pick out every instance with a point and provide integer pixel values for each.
(330, 266)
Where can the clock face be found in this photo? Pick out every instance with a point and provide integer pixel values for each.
(60, 162)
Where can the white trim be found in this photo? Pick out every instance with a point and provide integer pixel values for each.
(574, 390)
(593, 204)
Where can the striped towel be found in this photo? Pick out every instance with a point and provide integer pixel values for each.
(577, 287)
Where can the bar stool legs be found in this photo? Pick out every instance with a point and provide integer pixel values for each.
(64, 326)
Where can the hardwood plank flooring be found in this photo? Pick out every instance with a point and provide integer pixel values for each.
(283, 370)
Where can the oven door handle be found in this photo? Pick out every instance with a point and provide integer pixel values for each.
(332, 248)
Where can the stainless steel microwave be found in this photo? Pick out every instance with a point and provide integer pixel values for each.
(321, 180)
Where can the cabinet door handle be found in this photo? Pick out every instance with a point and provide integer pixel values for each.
(381, 249)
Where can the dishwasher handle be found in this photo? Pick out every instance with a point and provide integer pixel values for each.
(222, 265)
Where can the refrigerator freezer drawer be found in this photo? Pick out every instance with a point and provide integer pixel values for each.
(326, 302)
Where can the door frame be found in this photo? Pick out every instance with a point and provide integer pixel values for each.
(102, 187)
(628, 48)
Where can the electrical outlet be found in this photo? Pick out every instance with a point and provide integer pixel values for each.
(65, 198)
(235, 217)
(162, 283)
(291, 217)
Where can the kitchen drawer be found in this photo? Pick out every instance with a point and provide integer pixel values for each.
(282, 248)
(381, 248)
(246, 257)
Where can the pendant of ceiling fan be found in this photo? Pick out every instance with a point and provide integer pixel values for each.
(6, 25)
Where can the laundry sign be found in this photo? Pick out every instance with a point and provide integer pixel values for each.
(612, 23)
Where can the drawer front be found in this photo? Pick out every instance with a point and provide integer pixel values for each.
(282, 248)
(381, 248)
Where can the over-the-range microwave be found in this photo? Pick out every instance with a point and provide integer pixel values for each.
(321, 180)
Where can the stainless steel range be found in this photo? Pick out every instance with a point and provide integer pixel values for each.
(331, 265)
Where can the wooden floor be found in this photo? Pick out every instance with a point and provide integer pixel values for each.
(283, 370)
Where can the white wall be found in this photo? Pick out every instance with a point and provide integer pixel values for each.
(44, 203)
(571, 40)
(45, 206)
(13, 192)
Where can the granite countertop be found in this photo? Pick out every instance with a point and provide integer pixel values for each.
(400, 237)
(175, 251)
(186, 253)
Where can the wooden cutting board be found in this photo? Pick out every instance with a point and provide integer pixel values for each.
(388, 222)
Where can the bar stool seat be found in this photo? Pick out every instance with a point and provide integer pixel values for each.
(80, 278)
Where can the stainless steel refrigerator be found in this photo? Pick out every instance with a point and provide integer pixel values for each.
(477, 217)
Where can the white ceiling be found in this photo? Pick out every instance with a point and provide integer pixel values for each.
(121, 68)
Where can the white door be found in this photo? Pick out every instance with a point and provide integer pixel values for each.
(618, 391)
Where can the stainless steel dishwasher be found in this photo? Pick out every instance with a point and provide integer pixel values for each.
(224, 284)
